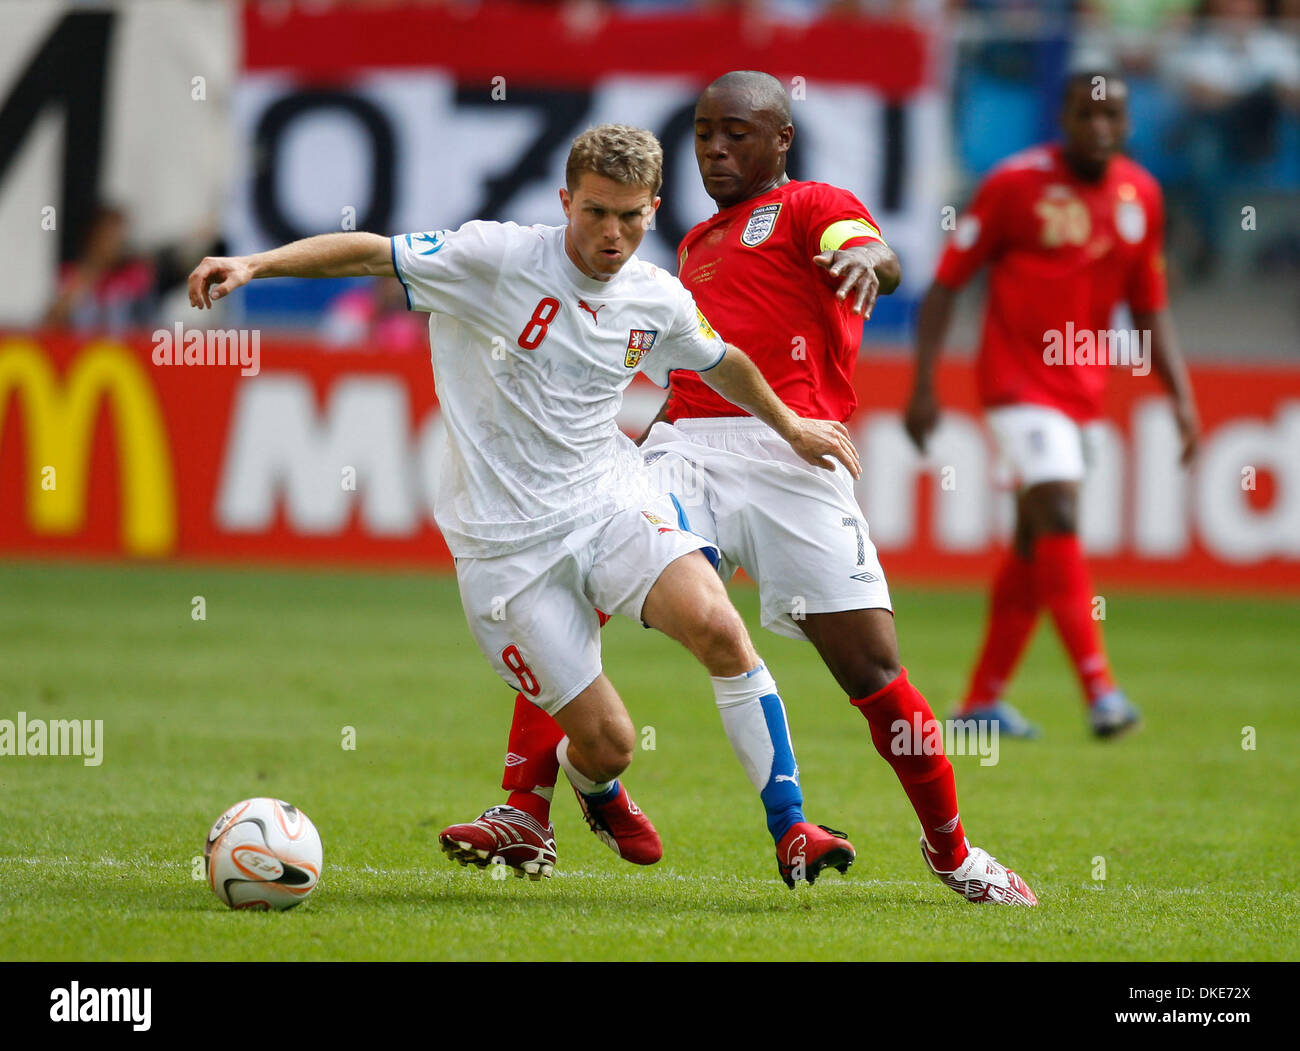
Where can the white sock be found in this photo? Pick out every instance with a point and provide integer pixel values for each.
(577, 778)
(742, 718)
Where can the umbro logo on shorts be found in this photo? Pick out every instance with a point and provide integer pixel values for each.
(866, 578)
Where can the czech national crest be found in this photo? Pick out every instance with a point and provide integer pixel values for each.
(760, 225)
(639, 342)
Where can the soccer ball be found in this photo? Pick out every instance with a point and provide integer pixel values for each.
(263, 854)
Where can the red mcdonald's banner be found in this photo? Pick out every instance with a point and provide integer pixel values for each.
(325, 457)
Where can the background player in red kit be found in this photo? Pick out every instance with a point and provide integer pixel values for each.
(1069, 231)
(788, 270)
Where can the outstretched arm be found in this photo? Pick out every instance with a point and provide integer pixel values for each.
(932, 323)
(868, 270)
(328, 255)
(1167, 360)
(738, 380)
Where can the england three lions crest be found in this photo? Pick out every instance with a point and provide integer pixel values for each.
(639, 343)
(762, 221)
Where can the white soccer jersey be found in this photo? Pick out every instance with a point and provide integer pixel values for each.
(530, 358)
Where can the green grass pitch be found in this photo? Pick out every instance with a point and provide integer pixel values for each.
(1196, 832)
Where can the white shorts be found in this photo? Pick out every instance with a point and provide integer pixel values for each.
(532, 613)
(1038, 444)
(796, 529)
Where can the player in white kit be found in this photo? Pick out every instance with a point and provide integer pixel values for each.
(545, 504)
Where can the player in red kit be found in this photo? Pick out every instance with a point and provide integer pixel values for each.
(789, 270)
(1069, 231)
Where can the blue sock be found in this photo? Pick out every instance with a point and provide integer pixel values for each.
(754, 718)
(605, 796)
(782, 795)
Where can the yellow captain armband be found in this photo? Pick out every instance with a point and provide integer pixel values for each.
(846, 230)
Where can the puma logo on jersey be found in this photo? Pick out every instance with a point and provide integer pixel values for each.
(595, 320)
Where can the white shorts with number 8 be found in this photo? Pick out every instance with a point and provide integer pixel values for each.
(533, 612)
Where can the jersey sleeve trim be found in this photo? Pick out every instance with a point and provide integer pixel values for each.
(392, 247)
(716, 363)
(834, 236)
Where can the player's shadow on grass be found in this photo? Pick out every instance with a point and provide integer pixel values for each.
(653, 893)
(464, 891)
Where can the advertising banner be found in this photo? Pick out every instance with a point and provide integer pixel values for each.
(287, 453)
(122, 106)
(418, 118)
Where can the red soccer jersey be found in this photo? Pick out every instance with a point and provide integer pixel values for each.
(1063, 253)
(751, 271)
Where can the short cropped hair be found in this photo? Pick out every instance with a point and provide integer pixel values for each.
(762, 92)
(627, 155)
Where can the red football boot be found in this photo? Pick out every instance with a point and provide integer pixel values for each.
(807, 849)
(503, 835)
(621, 826)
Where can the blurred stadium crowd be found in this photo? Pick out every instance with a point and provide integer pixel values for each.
(1215, 104)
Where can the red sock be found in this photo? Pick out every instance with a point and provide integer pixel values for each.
(927, 779)
(531, 764)
(1063, 585)
(1013, 611)
(530, 760)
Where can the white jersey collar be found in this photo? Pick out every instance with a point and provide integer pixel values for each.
(576, 277)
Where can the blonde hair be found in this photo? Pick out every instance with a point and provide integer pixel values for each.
(628, 155)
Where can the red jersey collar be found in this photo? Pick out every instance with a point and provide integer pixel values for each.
(776, 191)
(1056, 151)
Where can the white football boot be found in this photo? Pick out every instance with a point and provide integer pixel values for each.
(982, 879)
